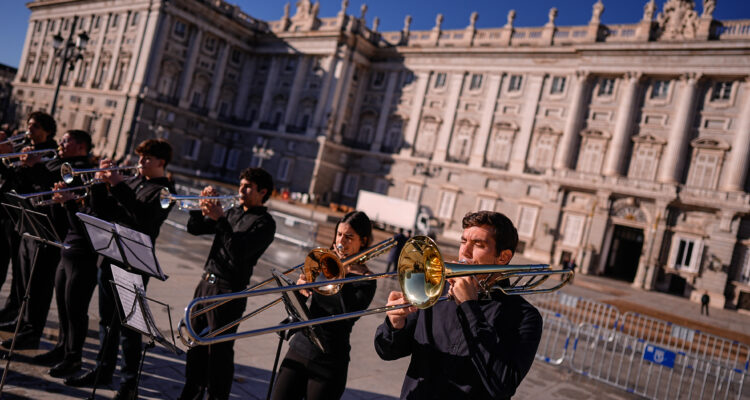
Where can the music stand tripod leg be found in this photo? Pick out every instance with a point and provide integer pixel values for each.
(20, 317)
(282, 337)
(100, 357)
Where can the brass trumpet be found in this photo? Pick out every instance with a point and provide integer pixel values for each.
(333, 270)
(69, 173)
(15, 140)
(190, 202)
(32, 197)
(6, 158)
(422, 274)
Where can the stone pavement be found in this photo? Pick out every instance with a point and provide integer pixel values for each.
(182, 257)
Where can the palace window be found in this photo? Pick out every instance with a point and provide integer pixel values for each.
(704, 169)
(592, 155)
(179, 29)
(381, 186)
(447, 203)
(218, 156)
(476, 82)
(543, 154)
(284, 166)
(233, 158)
(721, 91)
(460, 148)
(486, 204)
(378, 79)
(527, 221)
(191, 149)
(498, 152)
(515, 83)
(686, 253)
(659, 89)
(744, 268)
(412, 193)
(606, 87)
(644, 162)
(440, 80)
(351, 186)
(426, 138)
(573, 230)
(558, 85)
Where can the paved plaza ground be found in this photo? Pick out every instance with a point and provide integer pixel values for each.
(182, 257)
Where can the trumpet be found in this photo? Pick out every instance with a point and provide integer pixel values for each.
(6, 158)
(422, 274)
(188, 202)
(38, 199)
(15, 140)
(312, 270)
(69, 173)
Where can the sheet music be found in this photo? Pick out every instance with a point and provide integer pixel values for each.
(126, 284)
(101, 234)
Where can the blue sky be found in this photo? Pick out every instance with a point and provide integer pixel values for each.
(492, 13)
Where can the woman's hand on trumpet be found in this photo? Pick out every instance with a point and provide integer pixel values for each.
(398, 317)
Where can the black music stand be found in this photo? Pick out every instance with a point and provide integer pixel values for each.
(36, 226)
(135, 250)
(297, 310)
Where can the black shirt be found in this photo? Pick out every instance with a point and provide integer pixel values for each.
(240, 239)
(481, 349)
(335, 335)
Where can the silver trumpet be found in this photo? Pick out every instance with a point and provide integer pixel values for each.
(41, 199)
(422, 274)
(16, 140)
(47, 154)
(193, 202)
(69, 173)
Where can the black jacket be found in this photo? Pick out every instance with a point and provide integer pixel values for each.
(481, 349)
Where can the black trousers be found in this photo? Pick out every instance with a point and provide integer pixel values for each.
(128, 339)
(42, 283)
(74, 286)
(211, 367)
(9, 247)
(300, 377)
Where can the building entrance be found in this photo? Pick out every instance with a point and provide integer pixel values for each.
(624, 253)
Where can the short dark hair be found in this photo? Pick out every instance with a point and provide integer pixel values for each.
(81, 136)
(360, 222)
(506, 235)
(261, 178)
(45, 120)
(158, 148)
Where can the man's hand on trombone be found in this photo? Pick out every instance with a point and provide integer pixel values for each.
(398, 317)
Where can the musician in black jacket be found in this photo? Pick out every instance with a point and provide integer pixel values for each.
(134, 203)
(9, 242)
(477, 346)
(242, 234)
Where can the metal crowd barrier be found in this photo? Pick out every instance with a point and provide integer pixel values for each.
(580, 310)
(558, 330)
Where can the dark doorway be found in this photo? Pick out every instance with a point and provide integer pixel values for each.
(624, 253)
(676, 284)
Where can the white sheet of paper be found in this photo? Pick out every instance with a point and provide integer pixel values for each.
(126, 283)
(100, 232)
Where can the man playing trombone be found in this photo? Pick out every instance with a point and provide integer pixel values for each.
(478, 346)
(242, 234)
(133, 202)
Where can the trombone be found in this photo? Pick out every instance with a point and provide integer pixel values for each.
(334, 269)
(69, 173)
(422, 275)
(6, 158)
(190, 202)
(32, 197)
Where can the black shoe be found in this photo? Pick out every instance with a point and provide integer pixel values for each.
(126, 392)
(8, 326)
(65, 368)
(51, 357)
(89, 378)
(24, 341)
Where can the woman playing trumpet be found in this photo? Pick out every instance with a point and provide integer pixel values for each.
(307, 372)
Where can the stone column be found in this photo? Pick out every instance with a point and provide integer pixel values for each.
(485, 124)
(217, 79)
(359, 97)
(299, 82)
(528, 117)
(187, 72)
(40, 49)
(98, 52)
(385, 110)
(734, 174)
(140, 59)
(246, 78)
(320, 107)
(423, 78)
(449, 116)
(116, 53)
(267, 100)
(620, 142)
(677, 145)
(25, 53)
(576, 115)
(341, 95)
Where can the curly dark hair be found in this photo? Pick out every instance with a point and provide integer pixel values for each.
(46, 121)
(261, 178)
(158, 148)
(81, 136)
(506, 235)
(361, 224)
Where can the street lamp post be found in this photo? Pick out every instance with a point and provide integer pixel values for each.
(262, 152)
(69, 50)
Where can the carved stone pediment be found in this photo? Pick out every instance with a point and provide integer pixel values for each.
(547, 130)
(649, 139)
(710, 143)
(505, 126)
(595, 133)
(629, 209)
(677, 21)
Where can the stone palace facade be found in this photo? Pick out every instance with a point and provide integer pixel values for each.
(624, 147)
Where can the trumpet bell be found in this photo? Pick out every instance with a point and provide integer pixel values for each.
(66, 171)
(322, 265)
(421, 271)
(165, 198)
